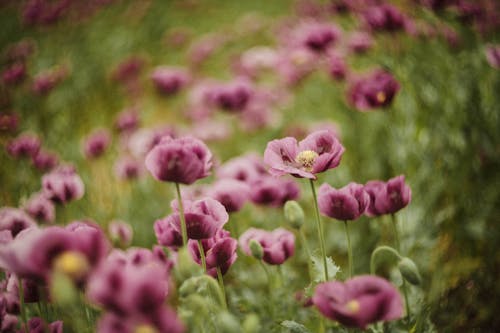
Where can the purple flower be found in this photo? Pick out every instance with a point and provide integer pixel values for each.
(96, 143)
(128, 168)
(14, 74)
(182, 160)
(278, 245)
(337, 67)
(220, 251)
(44, 82)
(166, 234)
(318, 152)
(274, 192)
(14, 220)
(25, 145)
(358, 302)
(231, 193)
(63, 185)
(387, 198)
(375, 90)
(493, 55)
(45, 160)
(385, 17)
(360, 42)
(127, 121)
(40, 208)
(203, 217)
(233, 96)
(317, 36)
(246, 168)
(37, 325)
(347, 203)
(120, 232)
(170, 80)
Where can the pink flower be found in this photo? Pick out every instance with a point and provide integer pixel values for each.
(14, 220)
(120, 232)
(161, 320)
(358, 302)
(337, 67)
(14, 74)
(318, 152)
(166, 234)
(170, 80)
(96, 143)
(127, 168)
(233, 96)
(347, 203)
(373, 91)
(246, 168)
(25, 145)
(220, 251)
(385, 17)
(317, 36)
(45, 160)
(360, 42)
(387, 198)
(40, 208)
(63, 185)
(274, 192)
(231, 193)
(493, 55)
(9, 121)
(278, 245)
(37, 325)
(127, 121)
(203, 217)
(182, 160)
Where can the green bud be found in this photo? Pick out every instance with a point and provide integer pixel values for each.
(294, 214)
(409, 271)
(251, 324)
(186, 267)
(256, 249)
(202, 285)
(227, 323)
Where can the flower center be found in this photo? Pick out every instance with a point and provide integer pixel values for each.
(306, 159)
(145, 328)
(72, 263)
(381, 97)
(353, 306)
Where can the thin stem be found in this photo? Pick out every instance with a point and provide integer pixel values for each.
(181, 213)
(349, 248)
(202, 256)
(405, 289)
(221, 284)
(308, 251)
(320, 229)
(21, 303)
(396, 233)
(407, 303)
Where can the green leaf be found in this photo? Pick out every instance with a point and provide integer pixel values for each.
(318, 270)
(294, 327)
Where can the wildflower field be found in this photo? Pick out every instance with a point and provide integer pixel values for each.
(173, 166)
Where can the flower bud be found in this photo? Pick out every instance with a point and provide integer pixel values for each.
(227, 323)
(186, 267)
(256, 249)
(409, 271)
(294, 214)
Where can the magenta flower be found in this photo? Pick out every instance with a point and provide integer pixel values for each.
(166, 234)
(45, 160)
(318, 152)
(360, 42)
(14, 74)
(14, 220)
(127, 168)
(127, 121)
(385, 17)
(387, 198)
(317, 36)
(120, 232)
(231, 193)
(40, 208)
(233, 96)
(203, 217)
(25, 145)
(37, 325)
(63, 185)
(358, 302)
(96, 143)
(272, 191)
(373, 91)
(220, 251)
(337, 67)
(170, 80)
(347, 203)
(493, 55)
(278, 245)
(246, 168)
(182, 160)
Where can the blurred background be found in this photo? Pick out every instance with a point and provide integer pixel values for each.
(72, 67)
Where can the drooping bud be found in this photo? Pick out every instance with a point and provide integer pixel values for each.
(256, 249)
(409, 271)
(294, 214)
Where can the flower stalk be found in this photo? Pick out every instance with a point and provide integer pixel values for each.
(181, 214)
(320, 230)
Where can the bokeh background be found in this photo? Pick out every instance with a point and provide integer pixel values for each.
(442, 130)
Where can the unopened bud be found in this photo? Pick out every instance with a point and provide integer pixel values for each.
(227, 323)
(294, 214)
(185, 267)
(256, 249)
(409, 271)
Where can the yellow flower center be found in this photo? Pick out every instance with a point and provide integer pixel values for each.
(353, 306)
(381, 97)
(145, 328)
(72, 263)
(306, 158)
(299, 58)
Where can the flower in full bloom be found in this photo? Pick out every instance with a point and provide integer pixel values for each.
(63, 185)
(373, 91)
(318, 152)
(166, 234)
(358, 302)
(14, 220)
(183, 160)
(273, 192)
(231, 193)
(347, 203)
(278, 245)
(389, 197)
(385, 17)
(170, 80)
(127, 168)
(220, 251)
(233, 96)
(203, 217)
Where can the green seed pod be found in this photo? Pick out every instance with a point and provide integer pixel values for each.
(294, 214)
(409, 271)
(256, 249)
(186, 267)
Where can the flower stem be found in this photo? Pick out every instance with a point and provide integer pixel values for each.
(181, 214)
(396, 233)
(202, 256)
(221, 284)
(398, 247)
(308, 251)
(320, 229)
(21, 304)
(349, 248)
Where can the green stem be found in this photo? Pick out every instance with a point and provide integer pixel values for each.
(378, 250)
(308, 251)
(21, 303)
(320, 229)
(398, 247)
(349, 248)
(181, 213)
(396, 233)
(202, 256)
(221, 284)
